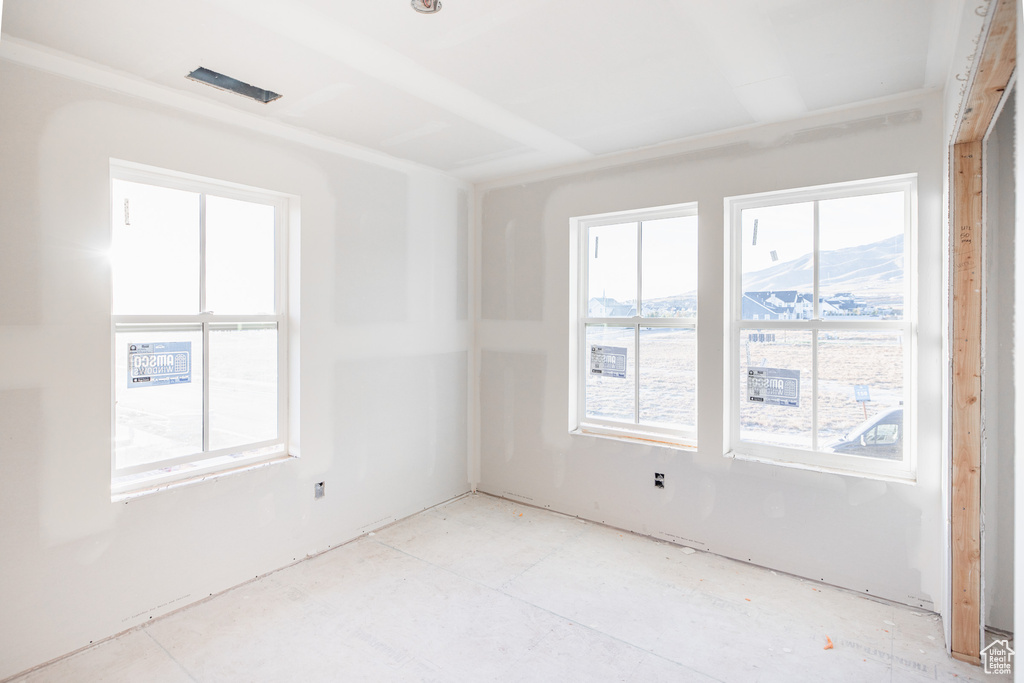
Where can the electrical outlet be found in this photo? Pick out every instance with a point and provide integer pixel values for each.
(318, 490)
(659, 480)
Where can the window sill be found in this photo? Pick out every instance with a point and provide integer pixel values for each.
(157, 484)
(894, 477)
(639, 438)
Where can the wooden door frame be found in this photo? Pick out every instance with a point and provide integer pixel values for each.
(980, 106)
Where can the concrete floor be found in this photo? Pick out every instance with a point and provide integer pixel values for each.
(482, 589)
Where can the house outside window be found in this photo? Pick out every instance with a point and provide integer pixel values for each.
(828, 274)
(634, 316)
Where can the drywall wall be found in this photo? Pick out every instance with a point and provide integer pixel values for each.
(383, 357)
(997, 386)
(868, 535)
(1018, 341)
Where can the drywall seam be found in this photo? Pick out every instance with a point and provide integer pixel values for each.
(320, 33)
(34, 56)
(474, 448)
(699, 143)
(472, 314)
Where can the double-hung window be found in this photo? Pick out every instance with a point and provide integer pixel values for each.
(823, 325)
(634, 337)
(199, 326)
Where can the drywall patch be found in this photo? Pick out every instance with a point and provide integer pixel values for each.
(430, 394)
(855, 127)
(512, 408)
(512, 253)
(371, 262)
(861, 491)
(774, 506)
(22, 430)
(673, 161)
(462, 255)
(706, 497)
(21, 274)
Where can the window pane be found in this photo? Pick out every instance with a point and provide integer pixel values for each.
(775, 365)
(860, 393)
(669, 267)
(777, 263)
(239, 256)
(243, 385)
(668, 377)
(152, 421)
(861, 262)
(611, 259)
(611, 392)
(154, 249)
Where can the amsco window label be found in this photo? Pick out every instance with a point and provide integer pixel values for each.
(773, 387)
(159, 364)
(608, 361)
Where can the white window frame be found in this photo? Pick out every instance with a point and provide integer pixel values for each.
(579, 423)
(904, 470)
(151, 476)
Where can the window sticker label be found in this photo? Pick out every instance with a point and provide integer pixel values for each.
(773, 387)
(608, 361)
(159, 364)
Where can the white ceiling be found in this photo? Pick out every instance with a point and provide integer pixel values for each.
(489, 88)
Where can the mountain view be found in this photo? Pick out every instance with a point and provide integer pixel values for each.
(869, 271)
(868, 275)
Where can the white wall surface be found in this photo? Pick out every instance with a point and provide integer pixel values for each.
(384, 361)
(997, 374)
(868, 535)
(1018, 350)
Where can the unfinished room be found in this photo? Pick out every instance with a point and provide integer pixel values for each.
(518, 340)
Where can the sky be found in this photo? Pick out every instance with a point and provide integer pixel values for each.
(788, 229)
(669, 259)
(155, 252)
(670, 245)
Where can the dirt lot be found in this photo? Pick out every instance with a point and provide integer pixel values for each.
(668, 381)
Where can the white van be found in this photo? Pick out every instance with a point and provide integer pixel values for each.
(880, 436)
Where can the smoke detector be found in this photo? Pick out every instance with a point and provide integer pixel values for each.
(427, 6)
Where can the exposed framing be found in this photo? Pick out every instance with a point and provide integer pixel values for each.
(981, 104)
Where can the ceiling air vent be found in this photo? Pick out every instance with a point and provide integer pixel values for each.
(223, 82)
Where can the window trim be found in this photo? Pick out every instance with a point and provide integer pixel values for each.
(579, 423)
(130, 480)
(904, 470)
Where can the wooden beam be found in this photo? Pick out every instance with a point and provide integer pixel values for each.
(998, 59)
(966, 481)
